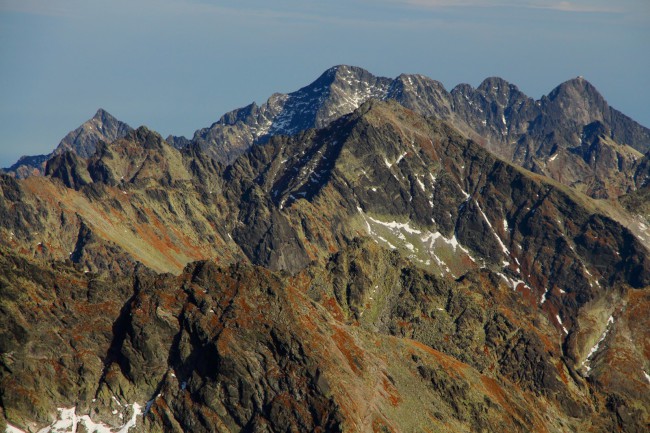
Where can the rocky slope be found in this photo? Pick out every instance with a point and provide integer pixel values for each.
(364, 343)
(410, 279)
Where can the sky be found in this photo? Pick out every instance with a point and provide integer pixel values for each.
(178, 65)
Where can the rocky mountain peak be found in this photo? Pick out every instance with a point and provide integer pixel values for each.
(421, 94)
(577, 85)
(238, 115)
(146, 137)
(338, 91)
(496, 114)
(579, 100)
(104, 115)
(27, 165)
(343, 72)
(101, 127)
(500, 91)
(495, 84)
(414, 83)
(82, 141)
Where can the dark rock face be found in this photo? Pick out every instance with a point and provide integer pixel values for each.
(70, 169)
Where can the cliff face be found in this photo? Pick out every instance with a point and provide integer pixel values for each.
(382, 273)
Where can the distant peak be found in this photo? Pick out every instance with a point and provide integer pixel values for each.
(578, 82)
(143, 133)
(419, 78)
(578, 85)
(494, 83)
(333, 71)
(339, 71)
(463, 88)
(579, 78)
(344, 68)
(102, 114)
(145, 137)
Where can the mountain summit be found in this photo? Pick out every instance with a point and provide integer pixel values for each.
(82, 141)
(338, 91)
(101, 127)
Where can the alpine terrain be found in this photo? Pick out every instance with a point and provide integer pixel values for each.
(362, 255)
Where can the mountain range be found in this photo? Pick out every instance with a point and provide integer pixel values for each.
(599, 148)
(363, 254)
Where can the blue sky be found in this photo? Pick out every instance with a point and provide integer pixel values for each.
(178, 65)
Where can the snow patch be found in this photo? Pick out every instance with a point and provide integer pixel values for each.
(514, 283)
(395, 225)
(426, 244)
(420, 183)
(399, 158)
(384, 240)
(69, 422)
(594, 349)
(543, 299)
(465, 194)
(557, 316)
(503, 247)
